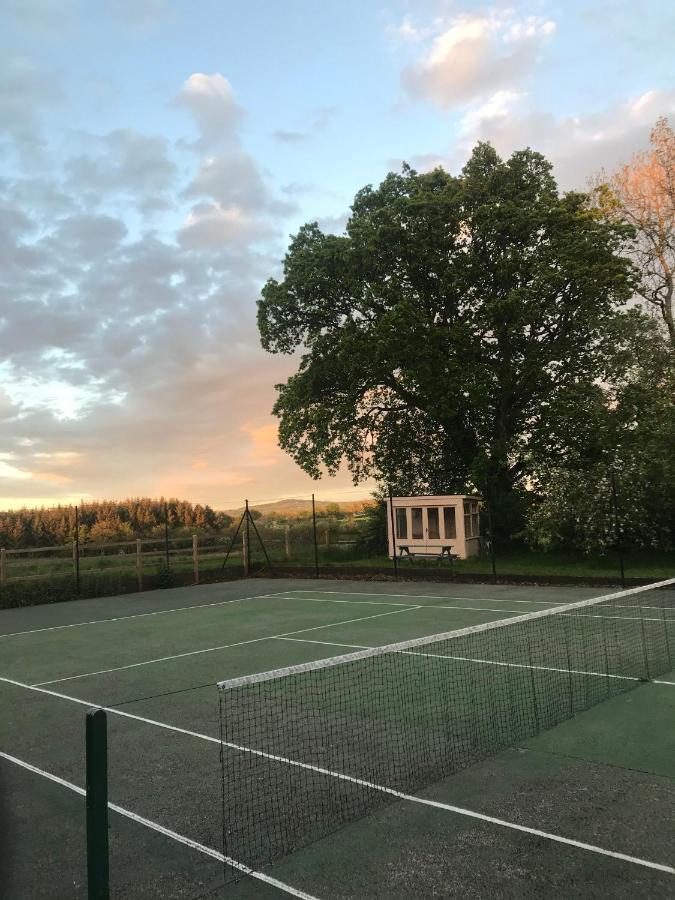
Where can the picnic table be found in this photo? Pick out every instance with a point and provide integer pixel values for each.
(410, 551)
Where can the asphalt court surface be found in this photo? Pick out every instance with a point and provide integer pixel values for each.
(605, 779)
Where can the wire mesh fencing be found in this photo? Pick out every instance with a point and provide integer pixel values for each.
(307, 538)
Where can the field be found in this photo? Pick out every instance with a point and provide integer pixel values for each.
(581, 809)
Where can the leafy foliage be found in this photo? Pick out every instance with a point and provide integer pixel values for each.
(372, 530)
(643, 194)
(630, 436)
(448, 330)
(104, 521)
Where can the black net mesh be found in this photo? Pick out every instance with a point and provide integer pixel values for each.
(309, 748)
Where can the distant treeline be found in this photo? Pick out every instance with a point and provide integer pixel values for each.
(105, 520)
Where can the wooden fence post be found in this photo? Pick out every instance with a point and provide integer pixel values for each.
(195, 556)
(139, 563)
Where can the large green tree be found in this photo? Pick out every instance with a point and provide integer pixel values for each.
(441, 334)
(616, 481)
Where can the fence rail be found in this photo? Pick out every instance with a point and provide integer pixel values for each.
(314, 543)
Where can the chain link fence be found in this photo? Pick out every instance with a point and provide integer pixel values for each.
(315, 540)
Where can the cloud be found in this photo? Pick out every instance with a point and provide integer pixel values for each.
(474, 56)
(125, 162)
(26, 89)
(290, 137)
(334, 224)
(232, 178)
(141, 14)
(46, 17)
(211, 102)
(131, 362)
(264, 439)
(314, 123)
(579, 145)
(213, 225)
(9, 471)
(91, 235)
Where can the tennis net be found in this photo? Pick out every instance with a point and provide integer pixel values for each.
(309, 748)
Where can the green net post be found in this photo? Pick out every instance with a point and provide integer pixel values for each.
(98, 884)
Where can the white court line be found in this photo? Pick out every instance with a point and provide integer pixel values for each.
(441, 597)
(574, 615)
(487, 662)
(266, 637)
(516, 612)
(160, 659)
(661, 681)
(161, 829)
(423, 801)
(417, 596)
(158, 612)
(422, 606)
(326, 643)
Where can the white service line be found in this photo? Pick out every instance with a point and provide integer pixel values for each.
(487, 662)
(266, 637)
(441, 597)
(418, 596)
(516, 612)
(326, 643)
(574, 615)
(158, 612)
(342, 777)
(167, 832)
(467, 599)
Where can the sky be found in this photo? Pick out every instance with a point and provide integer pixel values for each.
(156, 156)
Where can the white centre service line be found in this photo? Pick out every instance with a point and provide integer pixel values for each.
(411, 798)
(452, 599)
(161, 829)
(516, 612)
(267, 637)
(419, 596)
(485, 662)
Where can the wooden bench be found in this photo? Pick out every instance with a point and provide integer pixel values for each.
(408, 551)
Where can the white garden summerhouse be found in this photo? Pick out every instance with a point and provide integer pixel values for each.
(434, 526)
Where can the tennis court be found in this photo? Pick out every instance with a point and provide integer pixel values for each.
(583, 808)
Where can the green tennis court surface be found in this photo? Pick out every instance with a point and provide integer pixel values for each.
(581, 809)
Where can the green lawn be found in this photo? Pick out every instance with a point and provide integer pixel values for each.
(47, 580)
(523, 562)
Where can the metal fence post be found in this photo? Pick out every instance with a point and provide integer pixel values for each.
(139, 563)
(618, 537)
(166, 533)
(76, 550)
(195, 556)
(492, 543)
(247, 541)
(316, 547)
(3, 566)
(98, 884)
(393, 535)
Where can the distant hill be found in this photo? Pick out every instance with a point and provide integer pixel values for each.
(292, 507)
